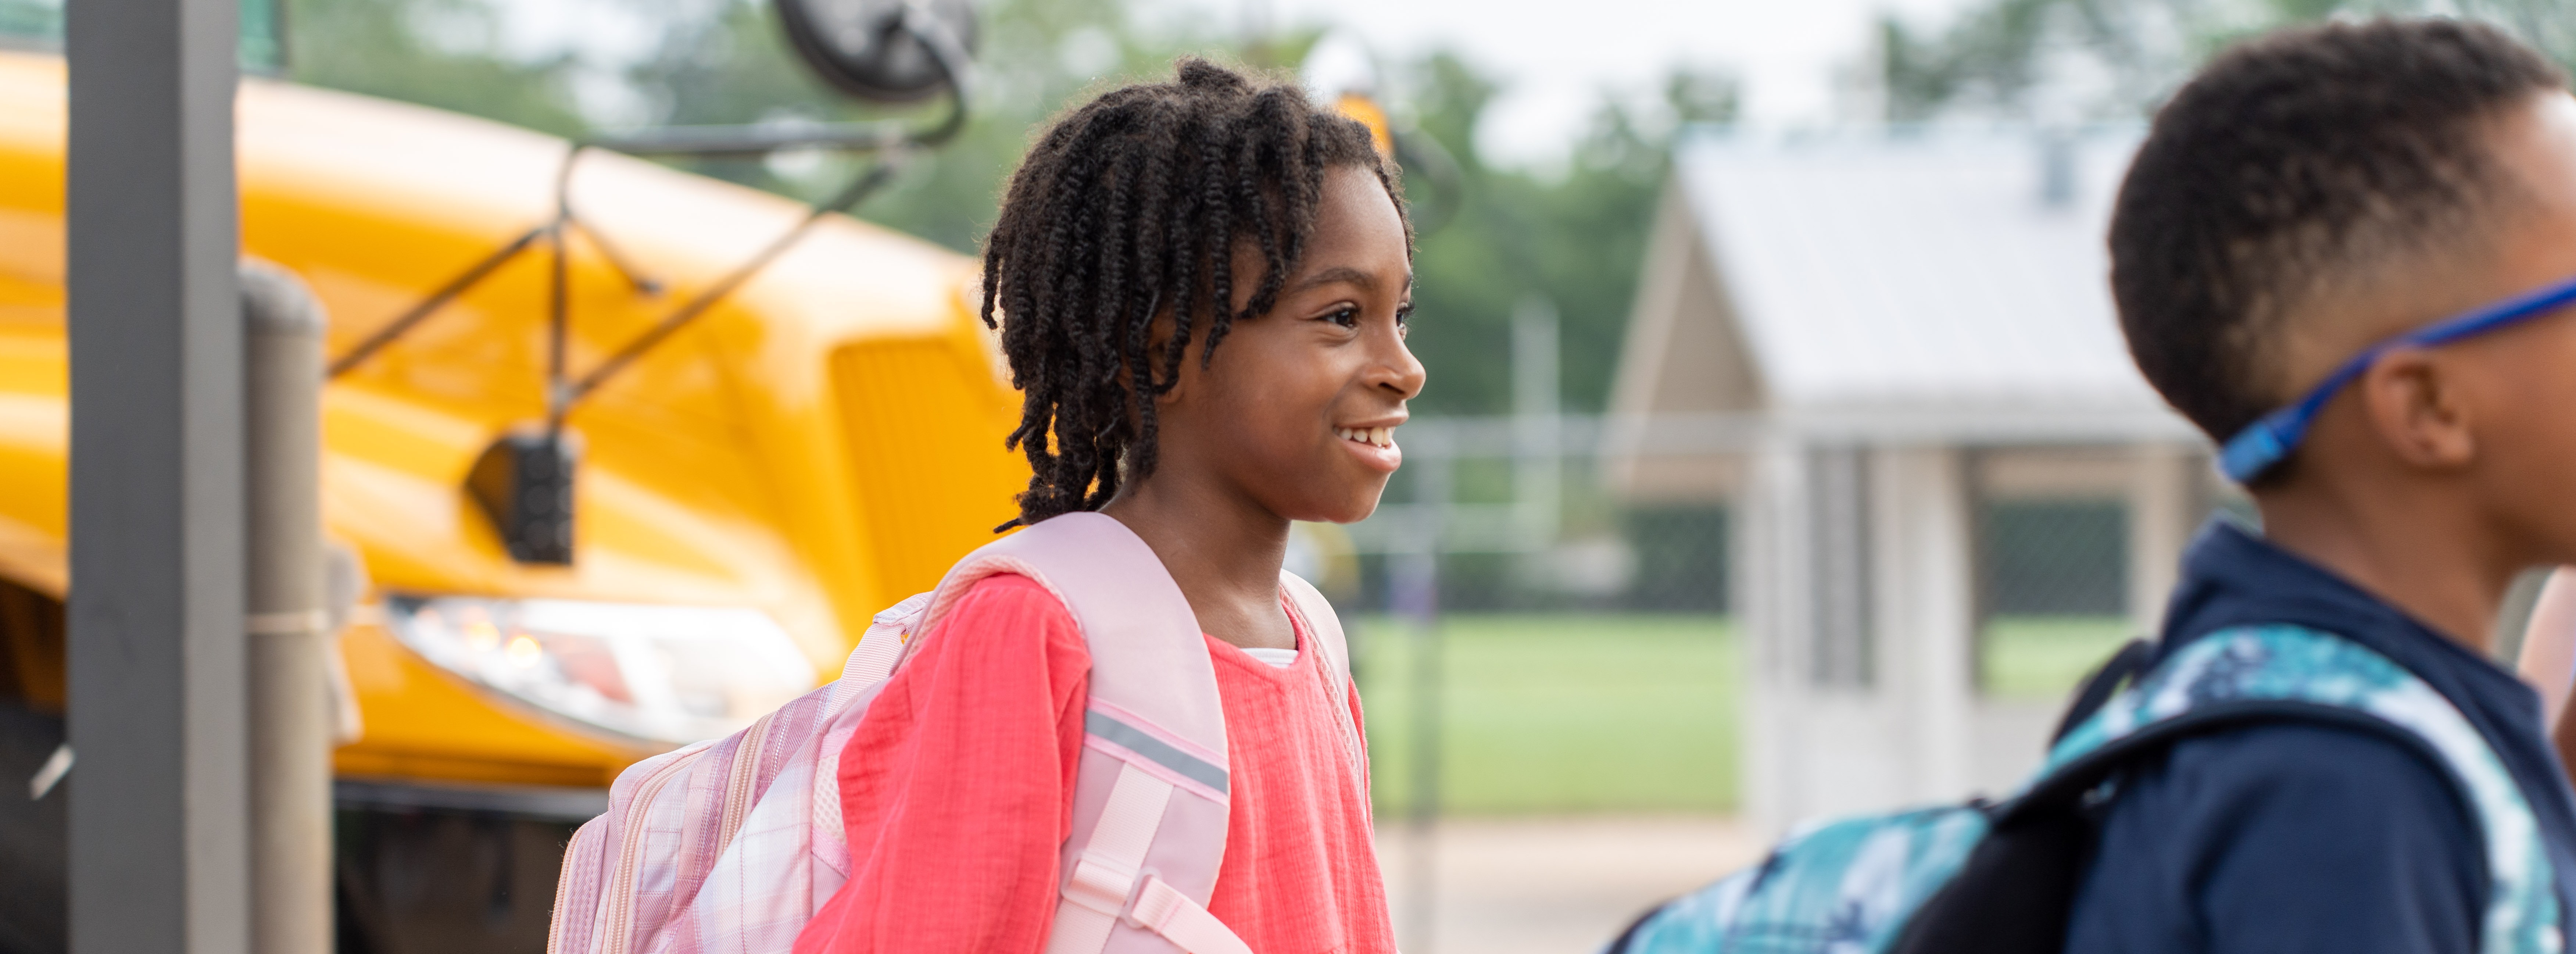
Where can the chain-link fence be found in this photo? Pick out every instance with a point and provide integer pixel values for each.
(2058, 548)
(1664, 558)
(2053, 591)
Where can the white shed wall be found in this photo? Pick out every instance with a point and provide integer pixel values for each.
(1917, 730)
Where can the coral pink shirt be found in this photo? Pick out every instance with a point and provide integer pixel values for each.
(957, 792)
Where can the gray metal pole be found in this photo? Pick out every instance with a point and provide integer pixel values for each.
(159, 824)
(1538, 424)
(290, 695)
(1417, 599)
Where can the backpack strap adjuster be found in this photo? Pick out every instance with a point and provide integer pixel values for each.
(1102, 884)
(1165, 911)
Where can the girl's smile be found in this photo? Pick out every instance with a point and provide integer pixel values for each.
(1374, 443)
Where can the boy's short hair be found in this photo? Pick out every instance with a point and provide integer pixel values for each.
(2293, 162)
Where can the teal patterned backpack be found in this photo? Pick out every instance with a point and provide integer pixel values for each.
(2000, 876)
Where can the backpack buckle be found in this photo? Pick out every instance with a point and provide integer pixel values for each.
(1101, 884)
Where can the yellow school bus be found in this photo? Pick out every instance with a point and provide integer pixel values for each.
(821, 443)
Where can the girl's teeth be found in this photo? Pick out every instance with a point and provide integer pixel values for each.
(1372, 436)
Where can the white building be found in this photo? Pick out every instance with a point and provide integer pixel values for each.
(1895, 327)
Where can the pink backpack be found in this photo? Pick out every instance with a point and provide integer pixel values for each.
(731, 845)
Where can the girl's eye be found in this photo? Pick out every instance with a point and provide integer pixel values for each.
(1345, 317)
(1404, 320)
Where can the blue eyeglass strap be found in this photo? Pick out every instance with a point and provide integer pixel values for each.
(2270, 439)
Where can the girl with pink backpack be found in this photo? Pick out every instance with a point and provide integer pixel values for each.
(1122, 728)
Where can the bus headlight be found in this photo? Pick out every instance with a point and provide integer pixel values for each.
(674, 674)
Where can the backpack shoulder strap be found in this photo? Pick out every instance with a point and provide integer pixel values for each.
(1321, 625)
(1324, 630)
(2274, 672)
(1150, 797)
(2131, 662)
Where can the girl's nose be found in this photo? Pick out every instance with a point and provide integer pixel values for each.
(1398, 370)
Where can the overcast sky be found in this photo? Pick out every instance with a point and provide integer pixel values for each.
(1558, 54)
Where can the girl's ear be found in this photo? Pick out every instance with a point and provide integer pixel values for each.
(1158, 350)
(1158, 340)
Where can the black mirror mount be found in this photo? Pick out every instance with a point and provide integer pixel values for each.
(524, 482)
(883, 51)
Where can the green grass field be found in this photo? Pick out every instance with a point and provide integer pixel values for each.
(1639, 714)
(2043, 657)
(1546, 713)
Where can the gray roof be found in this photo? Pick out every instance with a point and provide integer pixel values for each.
(1916, 271)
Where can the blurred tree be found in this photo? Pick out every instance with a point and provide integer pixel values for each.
(1989, 55)
(728, 63)
(32, 21)
(1577, 238)
(2072, 60)
(442, 53)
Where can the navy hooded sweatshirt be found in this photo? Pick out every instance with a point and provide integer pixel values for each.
(2292, 837)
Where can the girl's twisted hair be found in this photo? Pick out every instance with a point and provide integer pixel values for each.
(1131, 207)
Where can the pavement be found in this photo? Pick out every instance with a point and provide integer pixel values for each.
(1548, 885)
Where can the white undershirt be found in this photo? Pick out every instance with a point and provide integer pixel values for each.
(1278, 658)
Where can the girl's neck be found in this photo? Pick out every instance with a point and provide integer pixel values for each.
(1223, 550)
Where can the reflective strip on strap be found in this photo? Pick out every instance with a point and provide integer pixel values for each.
(1162, 753)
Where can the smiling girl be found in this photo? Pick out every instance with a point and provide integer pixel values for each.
(1202, 289)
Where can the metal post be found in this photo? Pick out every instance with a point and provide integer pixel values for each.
(2166, 507)
(1537, 423)
(1416, 593)
(290, 695)
(158, 816)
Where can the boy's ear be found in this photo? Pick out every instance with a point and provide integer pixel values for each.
(2418, 409)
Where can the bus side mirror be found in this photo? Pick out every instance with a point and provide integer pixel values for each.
(524, 483)
(883, 51)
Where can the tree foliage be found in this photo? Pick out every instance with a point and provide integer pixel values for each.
(729, 64)
(2074, 60)
(1576, 239)
(433, 52)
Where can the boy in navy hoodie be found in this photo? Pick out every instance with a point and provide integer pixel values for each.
(2347, 253)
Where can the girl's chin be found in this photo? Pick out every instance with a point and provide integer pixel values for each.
(1358, 504)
